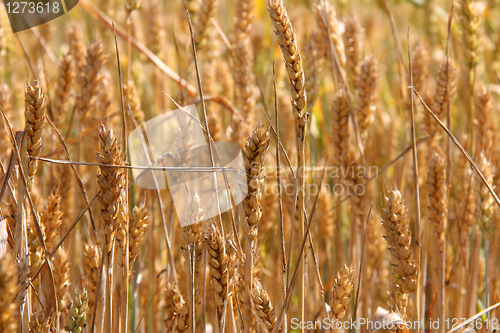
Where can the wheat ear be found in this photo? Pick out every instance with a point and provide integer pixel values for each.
(218, 262)
(353, 42)
(91, 263)
(255, 152)
(134, 102)
(446, 82)
(397, 226)
(484, 200)
(244, 58)
(40, 322)
(470, 20)
(485, 129)
(76, 45)
(340, 123)
(438, 195)
(262, 305)
(34, 115)
(207, 11)
(63, 89)
(77, 314)
(109, 180)
(51, 221)
(341, 293)
(155, 27)
(368, 85)
(330, 29)
(176, 309)
(138, 225)
(312, 67)
(288, 43)
(420, 67)
(90, 80)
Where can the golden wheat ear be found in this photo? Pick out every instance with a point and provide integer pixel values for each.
(341, 293)
(34, 116)
(218, 261)
(438, 195)
(397, 226)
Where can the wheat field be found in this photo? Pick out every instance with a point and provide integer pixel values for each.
(369, 151)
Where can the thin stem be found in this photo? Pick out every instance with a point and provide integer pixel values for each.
(192, 321)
